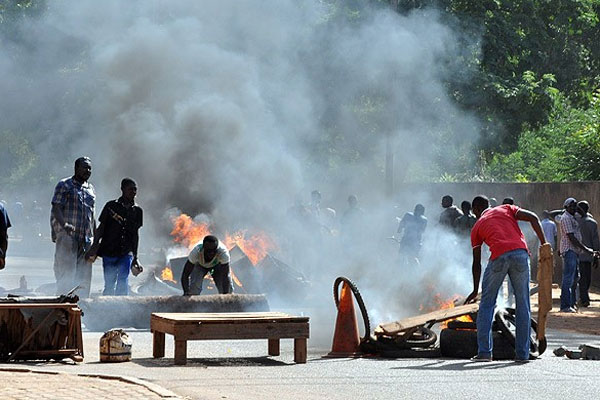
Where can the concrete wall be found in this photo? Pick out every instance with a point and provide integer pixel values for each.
(533, 196)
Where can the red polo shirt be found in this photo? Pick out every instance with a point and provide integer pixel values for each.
(498, 228)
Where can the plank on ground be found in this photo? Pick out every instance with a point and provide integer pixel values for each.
(393, 328)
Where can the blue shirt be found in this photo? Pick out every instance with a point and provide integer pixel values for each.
(76, 201)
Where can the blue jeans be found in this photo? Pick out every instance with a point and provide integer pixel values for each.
(116, 274)
(567, 292)
(515, 263)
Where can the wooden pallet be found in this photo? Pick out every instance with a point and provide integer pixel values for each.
(213, 326)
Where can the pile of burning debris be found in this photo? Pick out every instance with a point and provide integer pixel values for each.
(416, 337)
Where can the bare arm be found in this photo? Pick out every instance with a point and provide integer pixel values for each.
(185, 277)
(531, 217)
(476, 269)
(578, 244)
(3, 248)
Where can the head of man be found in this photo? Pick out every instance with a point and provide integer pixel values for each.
(570, 205)
(493, 202)
(447, 201)
(465, 206)
(480, 204)
(546, 214)
(128, 189)
(419, 210)
(83, 169)
(508, 200)
(209, 247)
(583, 207)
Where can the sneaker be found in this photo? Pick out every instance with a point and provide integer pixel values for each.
(522, 360)
(481, 358)
(568, 310)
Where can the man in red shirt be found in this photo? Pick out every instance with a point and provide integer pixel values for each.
(498, 228)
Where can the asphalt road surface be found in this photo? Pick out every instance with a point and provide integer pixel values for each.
(242, 369)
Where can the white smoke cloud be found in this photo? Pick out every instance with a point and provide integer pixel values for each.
(224, 107)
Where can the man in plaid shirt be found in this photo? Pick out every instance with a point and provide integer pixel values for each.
(570, 247)
(73, 225)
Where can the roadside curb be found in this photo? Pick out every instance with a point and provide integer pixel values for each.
(159, 390)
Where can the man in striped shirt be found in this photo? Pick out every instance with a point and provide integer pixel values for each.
(571, 246)
(73, 226)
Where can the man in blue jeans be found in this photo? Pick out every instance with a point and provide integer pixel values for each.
(571, 245)
(498, 228)
(117, 239)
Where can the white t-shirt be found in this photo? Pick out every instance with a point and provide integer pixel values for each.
(196, 256)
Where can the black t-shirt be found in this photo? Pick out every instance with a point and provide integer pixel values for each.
(121, 225)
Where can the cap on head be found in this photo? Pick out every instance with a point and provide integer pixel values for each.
(569, 201)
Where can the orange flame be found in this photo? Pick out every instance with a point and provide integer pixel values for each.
(188, 232)
(167, 275)
(255, 247)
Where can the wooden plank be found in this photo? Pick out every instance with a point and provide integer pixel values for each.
(393, 328)
(12, 306)
(268, 330)
(273, 347)
(227, 318)
(300, 350)
(61, 352)
(180, 352)
(158, 344)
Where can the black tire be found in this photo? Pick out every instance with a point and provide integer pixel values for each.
(422, 338)
(506, 320)
(463, 344)
(359, 301)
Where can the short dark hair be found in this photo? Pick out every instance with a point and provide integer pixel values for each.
(81, 160)
(465, 204)
(210, 239)
(508, 200)
(480, 202)
(127, 182)
(448, 198)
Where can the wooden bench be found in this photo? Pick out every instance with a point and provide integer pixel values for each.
(236, 325)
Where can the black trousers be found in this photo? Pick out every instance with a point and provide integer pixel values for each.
(585, 279)
(221, 276)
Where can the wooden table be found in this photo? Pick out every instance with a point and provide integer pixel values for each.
(236, 325)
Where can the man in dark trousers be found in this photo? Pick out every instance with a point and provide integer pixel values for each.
(589, 237)
(4, 225)
(73, 225)
(210, 256)
(498, 228)
(117, 239)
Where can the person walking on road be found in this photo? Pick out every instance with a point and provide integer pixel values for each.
(117, 239)
(73, 225)
(498, 228)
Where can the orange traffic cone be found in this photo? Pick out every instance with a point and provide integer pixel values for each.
(346, 340)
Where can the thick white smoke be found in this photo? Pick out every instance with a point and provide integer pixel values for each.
(234, 109)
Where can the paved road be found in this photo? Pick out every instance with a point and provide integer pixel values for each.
(241, 370)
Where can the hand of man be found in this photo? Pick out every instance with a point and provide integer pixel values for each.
(91, 254)
(70, 229)
(472, 297)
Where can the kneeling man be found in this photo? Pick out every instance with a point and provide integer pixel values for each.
(210, 256)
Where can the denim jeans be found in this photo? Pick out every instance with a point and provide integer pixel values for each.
(116, 274)
(567, 293)
(515, 263)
